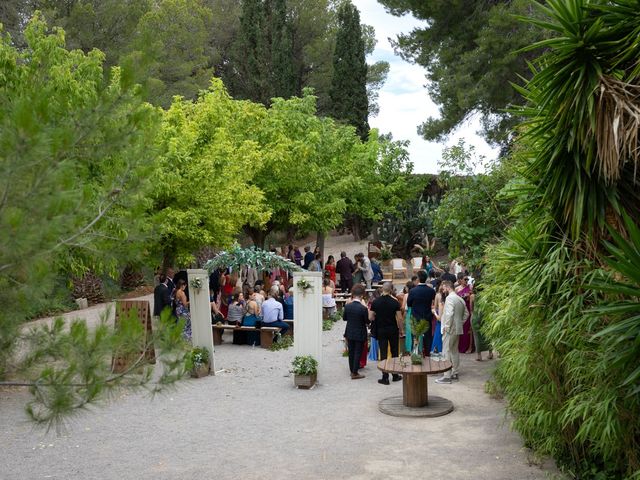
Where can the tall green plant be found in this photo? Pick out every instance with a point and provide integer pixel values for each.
(560, 309)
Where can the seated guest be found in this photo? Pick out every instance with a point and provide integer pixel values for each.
(273, 313)
(328, 301)
(251, 319)
(288, 305)
(236, 310)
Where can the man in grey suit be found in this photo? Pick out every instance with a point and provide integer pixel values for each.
(455, 311)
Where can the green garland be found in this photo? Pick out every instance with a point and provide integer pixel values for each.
(253, 257)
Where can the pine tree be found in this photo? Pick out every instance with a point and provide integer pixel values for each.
(250, 82)
(349, 102)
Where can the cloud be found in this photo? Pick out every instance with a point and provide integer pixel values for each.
(404, 101)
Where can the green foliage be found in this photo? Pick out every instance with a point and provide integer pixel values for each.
(473, 212)
(304, 365)
(76, 145)
(419, 326)
(197, 357)
(416, 359)
(282, 342)
(207, 159)
(567, 330)
(327, 324)
(349, 101)
(335, 316)
(71, 365)
(261, 260)
(171, 45)
(470, 53)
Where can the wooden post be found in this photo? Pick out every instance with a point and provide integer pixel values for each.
(200, 307)
(414, 389)
(125, 308)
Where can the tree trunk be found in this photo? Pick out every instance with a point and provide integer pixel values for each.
(320, 243)
(355, 228)
(257, 235)
(376, 231)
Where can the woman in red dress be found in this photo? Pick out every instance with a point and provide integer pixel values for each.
(227, 292)
(331, 268)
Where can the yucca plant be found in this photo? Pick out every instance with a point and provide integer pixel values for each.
(569, 330)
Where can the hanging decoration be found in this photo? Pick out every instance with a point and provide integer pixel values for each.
(262, 260)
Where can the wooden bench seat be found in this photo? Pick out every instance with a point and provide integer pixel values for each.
(266, 333)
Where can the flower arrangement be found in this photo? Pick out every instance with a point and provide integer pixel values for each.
(196, 283)
(304, 365)
(304, 285)
(199, 356)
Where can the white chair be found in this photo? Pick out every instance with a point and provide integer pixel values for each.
(416, 264)
(399, 267)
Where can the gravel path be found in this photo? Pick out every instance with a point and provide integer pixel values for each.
(249, 422)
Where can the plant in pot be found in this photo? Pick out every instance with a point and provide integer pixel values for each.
(198, 362)
(418, 328)
(386, 255)
(305, 371)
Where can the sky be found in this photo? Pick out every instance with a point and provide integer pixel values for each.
(404, 101)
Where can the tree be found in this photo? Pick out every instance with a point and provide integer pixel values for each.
(561, 293)
(172, 45)
(263, 58)
(306, 154)
(473, 211)
(203, 190)
(349, 101)
(470, 51)
(75, 147)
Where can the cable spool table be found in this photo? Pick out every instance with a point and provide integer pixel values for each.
(415, 400)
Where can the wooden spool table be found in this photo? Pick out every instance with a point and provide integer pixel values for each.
(415, 400)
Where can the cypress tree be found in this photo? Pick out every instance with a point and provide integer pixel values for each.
(283, 78)
(348, 94)
(251, 81)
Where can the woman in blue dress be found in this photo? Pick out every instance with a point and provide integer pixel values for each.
(182, 308)
(436, 345)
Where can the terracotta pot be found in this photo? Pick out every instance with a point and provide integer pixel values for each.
(305, 381)
(200, 371)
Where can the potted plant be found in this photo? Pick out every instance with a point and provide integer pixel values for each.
(198, 362)
(305, 371)
(386, 255)
(418, 328)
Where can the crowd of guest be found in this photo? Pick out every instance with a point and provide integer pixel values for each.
(379, 322)
(377, 319)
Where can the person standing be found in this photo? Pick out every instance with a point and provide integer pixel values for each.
(331, 268)
(420, 300)
(161, 296)
(345, 268)
(387, 320)
(170, 283)
(182, 308)
(357, 316)
(455, 311)
(308, 257)
(367, 270)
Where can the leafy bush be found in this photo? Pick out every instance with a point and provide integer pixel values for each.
(197, 357)
(327, 324)
(304, 365)
(281, 343)
(567, 327)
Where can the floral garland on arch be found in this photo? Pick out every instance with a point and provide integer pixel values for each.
(262, 260)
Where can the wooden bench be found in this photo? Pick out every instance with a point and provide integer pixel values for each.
(266, 333)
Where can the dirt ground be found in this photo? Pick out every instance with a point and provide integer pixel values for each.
(249, 422)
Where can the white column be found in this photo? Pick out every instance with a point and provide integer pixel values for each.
(200, 309)
(307, 315)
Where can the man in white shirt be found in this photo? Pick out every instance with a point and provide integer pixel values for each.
(455, 311)
(367, 269)
(272, 312)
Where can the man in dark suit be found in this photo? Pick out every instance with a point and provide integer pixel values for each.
(420, 300)
(308, 257)
(357, 316)
(387, 321)
(161, 296)
(344, 267)
(170, 283)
